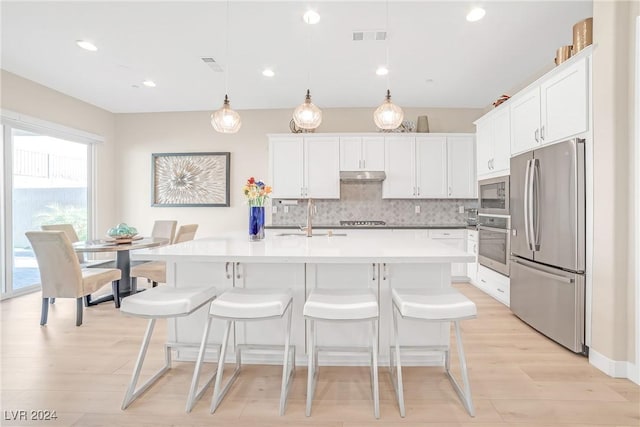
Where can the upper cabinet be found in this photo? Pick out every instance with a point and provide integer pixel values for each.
(364, 153)
(305, 166)
(493, 135)
(461, 167)
(554, 110)
(429, 167)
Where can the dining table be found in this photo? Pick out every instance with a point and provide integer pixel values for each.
(122, 248)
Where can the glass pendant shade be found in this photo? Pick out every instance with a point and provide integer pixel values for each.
(388, 115)
(225, 120)
(307, 115)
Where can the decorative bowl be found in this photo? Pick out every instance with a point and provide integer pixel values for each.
(122, 231)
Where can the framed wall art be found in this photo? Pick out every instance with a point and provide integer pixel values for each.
(190, 179)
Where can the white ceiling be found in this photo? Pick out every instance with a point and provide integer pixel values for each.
(470, 64)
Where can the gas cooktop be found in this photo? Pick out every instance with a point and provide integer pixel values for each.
(361, 223)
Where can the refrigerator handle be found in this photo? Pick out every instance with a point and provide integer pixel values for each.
(535, 190)
(526, 204)
(543, 273)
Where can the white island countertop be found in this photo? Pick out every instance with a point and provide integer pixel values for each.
(236, 247)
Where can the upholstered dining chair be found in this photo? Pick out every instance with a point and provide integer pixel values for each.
(61, 275)
(156, 271)
(165, 229)
(69, 231)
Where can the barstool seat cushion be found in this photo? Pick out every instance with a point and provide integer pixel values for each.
(166, 301)
(341, 304)
(433, 304)
(240, 303)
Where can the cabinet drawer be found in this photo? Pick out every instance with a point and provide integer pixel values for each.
(447, 234)
(494, 284)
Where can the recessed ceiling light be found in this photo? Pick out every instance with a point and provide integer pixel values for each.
(149, 83)
(268, 72)
(86, 45)
(311, 17)
(382, 71)
(476, 14)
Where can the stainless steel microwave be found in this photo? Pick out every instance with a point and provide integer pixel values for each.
(493, 196)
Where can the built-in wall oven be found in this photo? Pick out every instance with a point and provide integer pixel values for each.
(493, 196)
(493, 242)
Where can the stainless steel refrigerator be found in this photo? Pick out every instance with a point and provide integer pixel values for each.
(547, 205)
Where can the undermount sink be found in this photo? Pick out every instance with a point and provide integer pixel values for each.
(313, 234)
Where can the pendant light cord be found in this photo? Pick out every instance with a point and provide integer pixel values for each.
(226, 54)
(386, 28)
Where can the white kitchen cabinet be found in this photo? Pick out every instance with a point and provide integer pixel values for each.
(472, 248)
(456, 239)
(361, 153)
(429, 167)
(461, 167)
(525, 121)
(493, 135)
(565, 103)
(400, 166)
(553, 110)
(302, 167)
(494, 284)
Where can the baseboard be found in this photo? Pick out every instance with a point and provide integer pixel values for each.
(613, 368)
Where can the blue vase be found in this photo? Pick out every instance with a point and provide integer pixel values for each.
(256, 223)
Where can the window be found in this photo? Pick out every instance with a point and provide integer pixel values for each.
(46, 180)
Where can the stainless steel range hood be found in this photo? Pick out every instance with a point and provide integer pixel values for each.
(358, 176)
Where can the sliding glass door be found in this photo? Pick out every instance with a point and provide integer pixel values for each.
(46, 181)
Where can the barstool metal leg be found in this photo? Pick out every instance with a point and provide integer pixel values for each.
(312, 356)
(132, 393)
(396, 378)
(465, 395)
(194, 393)
(287, 373)
(218, 393)
(374, 368)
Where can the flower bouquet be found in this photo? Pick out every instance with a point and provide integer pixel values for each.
(257, 194)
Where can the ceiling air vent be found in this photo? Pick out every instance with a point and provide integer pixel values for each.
(212, 64)
(372, 35)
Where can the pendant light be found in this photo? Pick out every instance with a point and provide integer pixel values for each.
(225, 120)
(307, 115)
(388, 115)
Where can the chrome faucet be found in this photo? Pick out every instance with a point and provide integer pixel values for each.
(310, 212)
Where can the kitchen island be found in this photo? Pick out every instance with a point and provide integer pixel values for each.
(380, 261)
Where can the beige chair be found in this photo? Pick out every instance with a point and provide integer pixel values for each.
(61, 275)
(164, 229)
(69, 231)
(156, 271)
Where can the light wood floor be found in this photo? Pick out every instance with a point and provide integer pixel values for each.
(518, 378)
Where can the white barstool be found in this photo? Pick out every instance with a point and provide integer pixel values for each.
(241, 304)
(341, 306)
(432, 305)
(153, 304)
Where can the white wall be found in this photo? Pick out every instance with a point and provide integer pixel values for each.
(140, 135)
(613, 330)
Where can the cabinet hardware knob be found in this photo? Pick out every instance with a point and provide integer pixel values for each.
(238, 270)
(226, 270)
(500, 290)
(542, 132)
(536, 135)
